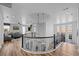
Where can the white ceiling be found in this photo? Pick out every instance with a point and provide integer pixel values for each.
(42, 7)
(24, 10)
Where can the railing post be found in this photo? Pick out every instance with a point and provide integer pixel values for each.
(22, 40)
(54, 41)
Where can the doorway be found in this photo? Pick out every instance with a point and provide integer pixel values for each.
(69, 30)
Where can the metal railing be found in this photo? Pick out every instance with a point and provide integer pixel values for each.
(39, 44)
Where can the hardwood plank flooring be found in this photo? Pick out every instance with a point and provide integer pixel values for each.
(13, 49)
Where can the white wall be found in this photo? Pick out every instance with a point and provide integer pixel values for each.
(50, 26)
(10, 16)
(24, 11)
(1, 26)
(7, 12)
(41, 29)
(74, 12)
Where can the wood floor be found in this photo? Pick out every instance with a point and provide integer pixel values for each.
(13, 49)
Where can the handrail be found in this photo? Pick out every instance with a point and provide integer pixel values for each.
(35, 44)
(39, 37)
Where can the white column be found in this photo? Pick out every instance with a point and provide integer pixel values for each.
(78, 26)
(1, 27)
(74, 26)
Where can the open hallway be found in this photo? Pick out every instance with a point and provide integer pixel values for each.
(13, 49)
(39, 29)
